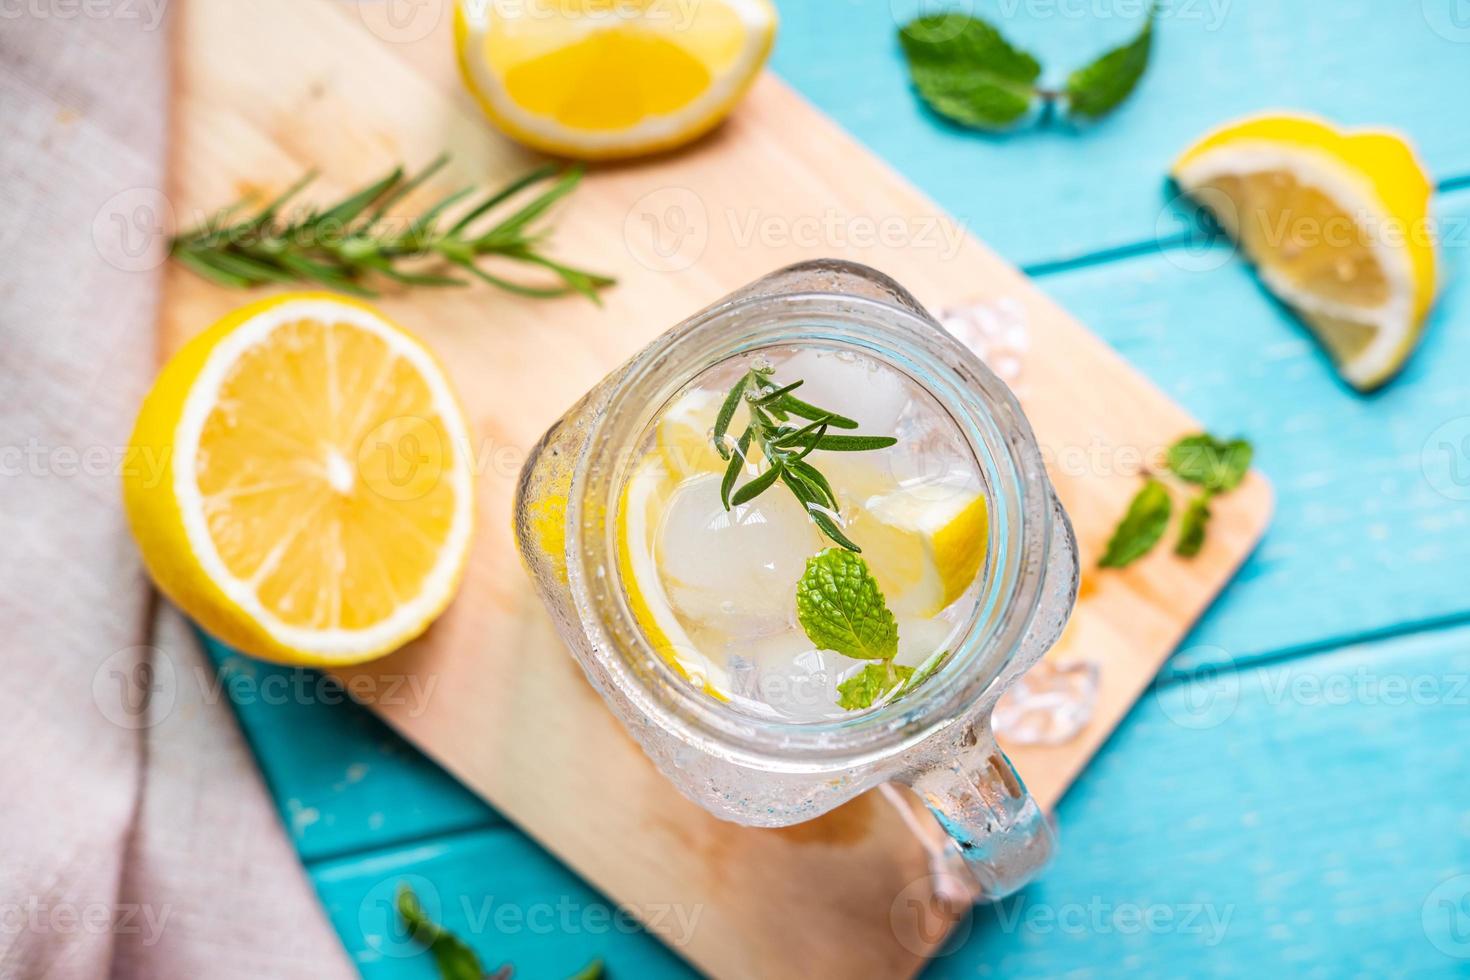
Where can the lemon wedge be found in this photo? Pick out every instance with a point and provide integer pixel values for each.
(683, 435)
(315, 501)
(600, 79)
(925, 545)
(645, 495)
(1338, 224)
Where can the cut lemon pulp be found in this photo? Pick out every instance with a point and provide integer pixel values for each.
(683, 435)
(1338, 225)
(925, 545)
(316, 504)
(644, 496)
(610, 78)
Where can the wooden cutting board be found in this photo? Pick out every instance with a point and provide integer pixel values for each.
(267, 89)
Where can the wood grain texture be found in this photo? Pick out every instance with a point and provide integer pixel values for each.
(270, 87)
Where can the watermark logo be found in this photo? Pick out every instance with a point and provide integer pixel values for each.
(1450, 19)
(147, 13)
(136, 687)
(401, 21)
(132, 229)
(401, 459)
(1446, 917)
(924, 915)
(1206, 698)
(1188, 230)
(1445, 459)
(667, 230)
(35, 917)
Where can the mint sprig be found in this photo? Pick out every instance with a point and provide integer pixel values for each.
(1097, 89)
(453, 957)
(1214, 466)
(1141, 528)
(840, 606)
(1212, 463)
(864, 688)
(842, 609)
(785, 444)
(967, 71)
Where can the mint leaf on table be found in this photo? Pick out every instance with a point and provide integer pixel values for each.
(1097, 89)
(968, 72)
(1141, 528)
(1192, 526)
(840, 606)
(1212, 463)
(865, 687)
(455, 959)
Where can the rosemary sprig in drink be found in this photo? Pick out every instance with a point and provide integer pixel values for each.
(785, 444)
(346, 244)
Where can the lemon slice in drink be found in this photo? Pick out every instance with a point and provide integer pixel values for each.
(645, 495)
(924, 544)
(683, 435)
(1338, 225)
(314, 504)
(601, 79)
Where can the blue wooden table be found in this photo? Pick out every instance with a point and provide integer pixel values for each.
(1292, 794)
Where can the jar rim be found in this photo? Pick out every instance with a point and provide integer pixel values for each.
(1020, 526)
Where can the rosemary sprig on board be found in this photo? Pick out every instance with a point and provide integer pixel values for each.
(346, 245)
(785, 445)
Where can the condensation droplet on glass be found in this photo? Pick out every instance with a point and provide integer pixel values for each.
(1049, 705)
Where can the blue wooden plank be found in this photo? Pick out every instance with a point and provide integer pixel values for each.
(1043, 194)
(1308, 812)
(1372, 524)
(342, 779)
(1307, 817)
(504, 896)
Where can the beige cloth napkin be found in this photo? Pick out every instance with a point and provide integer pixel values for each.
(136, 838)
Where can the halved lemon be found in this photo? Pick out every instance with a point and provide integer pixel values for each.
(601, 79)
(924, 544)
(645, 495)
(315, 501)
(1338, 224)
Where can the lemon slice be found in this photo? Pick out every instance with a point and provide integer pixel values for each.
(602, 79)
(924, 544)
(683, 435)
(645, 495)
(1338, 225)
(315, 503)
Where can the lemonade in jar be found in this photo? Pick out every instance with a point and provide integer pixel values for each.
(801, 544)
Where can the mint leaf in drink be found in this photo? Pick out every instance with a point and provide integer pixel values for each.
(864, 688)
(1097, 89)
(840, 606)
(967, 71)
(1192, 526)
(1211, 463)
(1141, 528)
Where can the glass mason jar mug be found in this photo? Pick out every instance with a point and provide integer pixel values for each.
(772, 772)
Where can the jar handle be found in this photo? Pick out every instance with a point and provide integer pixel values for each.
(1001, 832)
